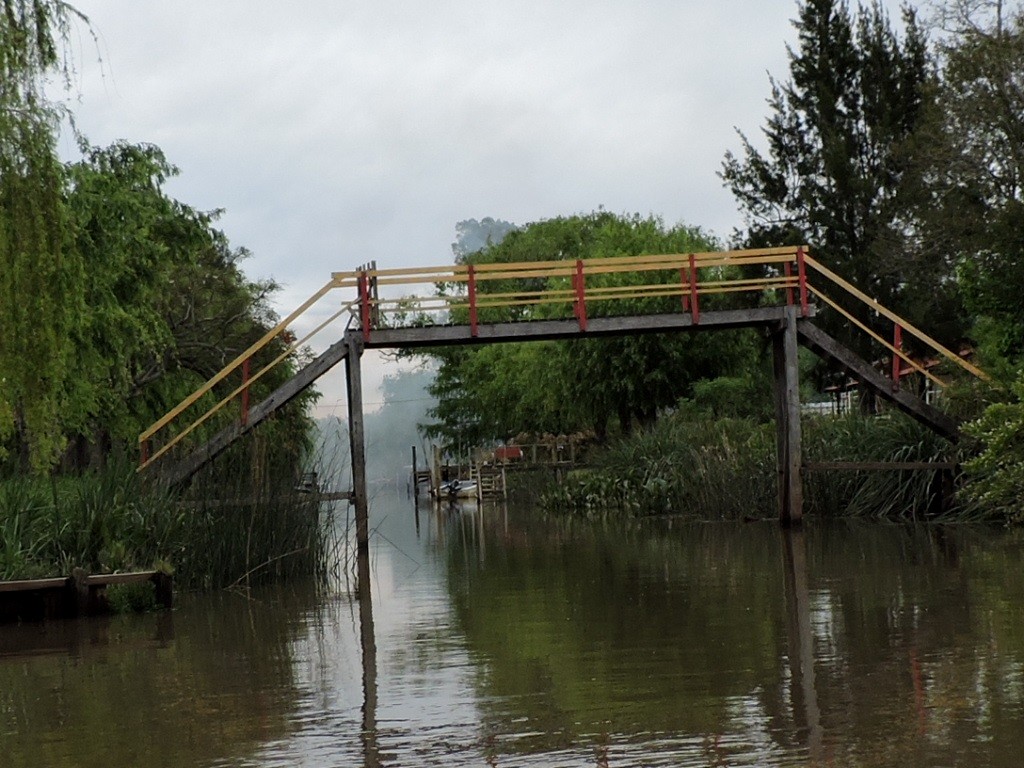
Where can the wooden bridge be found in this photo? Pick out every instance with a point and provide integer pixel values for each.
(559, 299)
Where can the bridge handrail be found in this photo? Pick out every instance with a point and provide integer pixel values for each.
(147, 435)
(371, 312)
(920, 335)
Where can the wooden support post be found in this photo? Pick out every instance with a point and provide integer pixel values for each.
(357, 440)
(787, 421)
(694, 298)
(580, 284)
(163, 587)
(801, 269)
(789, 285)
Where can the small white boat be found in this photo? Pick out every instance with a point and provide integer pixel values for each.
(459, 489)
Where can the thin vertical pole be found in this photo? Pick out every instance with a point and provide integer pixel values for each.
(357, 439)
(789, 283)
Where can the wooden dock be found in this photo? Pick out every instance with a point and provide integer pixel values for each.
(79, 594)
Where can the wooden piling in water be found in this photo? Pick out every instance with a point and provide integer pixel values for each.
(785, 365)
(357, 441)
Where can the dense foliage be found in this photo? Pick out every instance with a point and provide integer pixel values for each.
(594, 384)
(900, 161)
(697, 465)
(110, 520)
(116, 300)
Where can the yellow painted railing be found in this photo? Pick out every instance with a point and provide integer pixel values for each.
(458, 294)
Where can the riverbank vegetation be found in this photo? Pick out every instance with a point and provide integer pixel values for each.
(116, 301)
(236, 533)
(723, 468)
(892, 149)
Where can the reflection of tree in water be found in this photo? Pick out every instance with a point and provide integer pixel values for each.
(718, 633)
(218, 686)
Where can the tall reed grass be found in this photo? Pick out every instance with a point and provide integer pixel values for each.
(225, 529)
(724, 469)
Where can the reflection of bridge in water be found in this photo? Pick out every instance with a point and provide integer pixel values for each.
(528, 301)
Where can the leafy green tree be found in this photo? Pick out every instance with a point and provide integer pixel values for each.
(168, 305)
(502, 390)
(41, 297)
(842, 170)
(978, 166)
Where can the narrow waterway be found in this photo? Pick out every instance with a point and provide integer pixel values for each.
(501, 638)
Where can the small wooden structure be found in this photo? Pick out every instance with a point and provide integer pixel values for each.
(490, 481)
(79, 594)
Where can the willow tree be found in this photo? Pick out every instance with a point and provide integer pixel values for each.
(40, 285)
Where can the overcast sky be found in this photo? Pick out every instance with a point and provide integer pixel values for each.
(333, 132)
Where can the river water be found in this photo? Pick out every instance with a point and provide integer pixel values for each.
(504, 639)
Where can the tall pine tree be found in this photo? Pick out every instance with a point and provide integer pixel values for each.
(841, 170)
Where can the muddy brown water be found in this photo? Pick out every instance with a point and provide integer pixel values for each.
(504, 639)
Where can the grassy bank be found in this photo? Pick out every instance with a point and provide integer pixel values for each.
(690, 463)
(219, 534)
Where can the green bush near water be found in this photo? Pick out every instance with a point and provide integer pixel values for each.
(108, 521)
(693, 464)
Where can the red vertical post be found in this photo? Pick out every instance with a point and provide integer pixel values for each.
(789, 283)
(580, 284)
(472, 301)
(802, 273)
(685, 280)
(694, 298)
(897, 342)
(144, 453)
(245, 391)
(364, 305)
